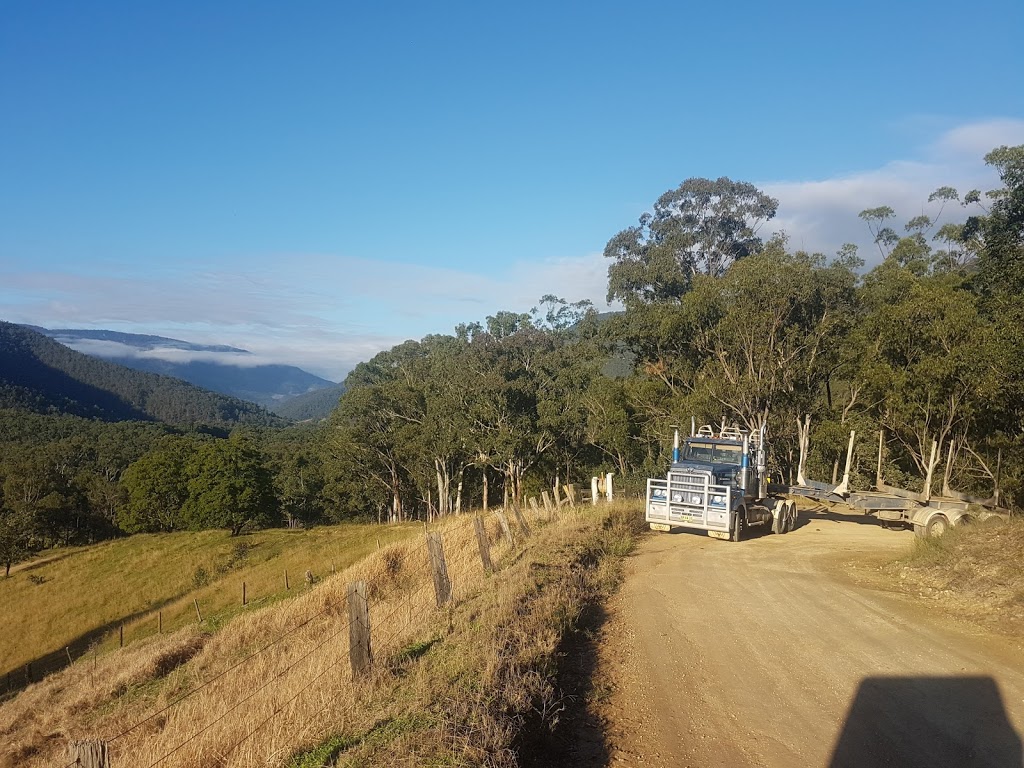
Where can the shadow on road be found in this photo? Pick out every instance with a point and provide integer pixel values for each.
(927, 722)
(579, 737)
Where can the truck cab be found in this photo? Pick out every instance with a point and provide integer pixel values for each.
(715, 483)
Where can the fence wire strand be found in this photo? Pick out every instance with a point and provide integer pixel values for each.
(243, 700)
(219, 675)
(457, 555)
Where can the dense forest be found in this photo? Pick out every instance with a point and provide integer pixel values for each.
(38, 374)
(718, 323)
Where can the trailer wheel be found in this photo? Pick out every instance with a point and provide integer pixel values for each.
(937, 525)
(741, 522)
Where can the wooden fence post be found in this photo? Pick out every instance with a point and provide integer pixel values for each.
(286, 584)
(483, 544)
(439, 569)
(608, 487)
(570, 492)
(533, 505)
(504, 525)
(358, 629)
(547, 501)
(595, 491)
(243, 593)
(89, 753)
(558, 497)
(519, 518)
(195, 601)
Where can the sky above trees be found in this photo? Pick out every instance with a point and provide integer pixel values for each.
(315, 182)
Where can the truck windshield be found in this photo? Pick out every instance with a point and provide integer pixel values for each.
(710, 453)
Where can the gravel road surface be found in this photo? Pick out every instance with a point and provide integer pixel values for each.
(776, 651)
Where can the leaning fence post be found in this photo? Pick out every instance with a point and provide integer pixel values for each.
(519, 518)
(558, 496)
(547, 501)
(442, 586)
(570, 492)
(358, 628)
(195, 601)
(89, 753)
(533, 505)
(503, 521)
(483, 544)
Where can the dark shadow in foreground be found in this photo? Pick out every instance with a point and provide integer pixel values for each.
(927, 722)
(578, 736)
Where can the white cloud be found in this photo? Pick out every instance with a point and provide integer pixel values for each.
(821, 215)
(325, 313)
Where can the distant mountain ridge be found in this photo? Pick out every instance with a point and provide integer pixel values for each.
(137, 340)
(39, 374)
(219, 368)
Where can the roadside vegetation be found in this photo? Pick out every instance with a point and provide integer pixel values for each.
(458, 685)
(973, 571)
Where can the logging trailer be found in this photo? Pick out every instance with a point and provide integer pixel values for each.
(718, 482)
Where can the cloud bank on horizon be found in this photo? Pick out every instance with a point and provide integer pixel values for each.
(327, 312)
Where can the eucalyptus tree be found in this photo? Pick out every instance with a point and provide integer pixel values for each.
(929, 362)
(156, 486)
(229, 486)
(701, 227)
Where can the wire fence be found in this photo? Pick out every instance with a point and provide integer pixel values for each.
(386, 603)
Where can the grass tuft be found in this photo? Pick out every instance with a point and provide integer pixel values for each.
(975, 569)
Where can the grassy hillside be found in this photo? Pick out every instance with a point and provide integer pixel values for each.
(471, 683)
(80, 596)
(38, 374)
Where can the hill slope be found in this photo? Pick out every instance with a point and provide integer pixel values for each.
(38, 374)
(227, 370)
(311, 406)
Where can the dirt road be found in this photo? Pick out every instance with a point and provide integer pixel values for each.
(769, 653)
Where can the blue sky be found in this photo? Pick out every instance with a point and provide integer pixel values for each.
(317, 181)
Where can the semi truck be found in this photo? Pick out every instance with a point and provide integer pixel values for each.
(718, 483)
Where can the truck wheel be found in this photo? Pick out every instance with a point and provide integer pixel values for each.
(791, 514)
(741, 522)
(779, 517)
(937, 526)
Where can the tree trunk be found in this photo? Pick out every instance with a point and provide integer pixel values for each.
(458, 493)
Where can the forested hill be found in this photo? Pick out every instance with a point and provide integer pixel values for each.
(311, 406)
(41, 375)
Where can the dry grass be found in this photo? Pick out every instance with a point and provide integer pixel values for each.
(66, 595)
(974, 570)
(450, 686)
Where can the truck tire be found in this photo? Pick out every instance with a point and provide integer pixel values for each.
(779, 517)
(741, 523)
(937, 525)
(791, 516)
